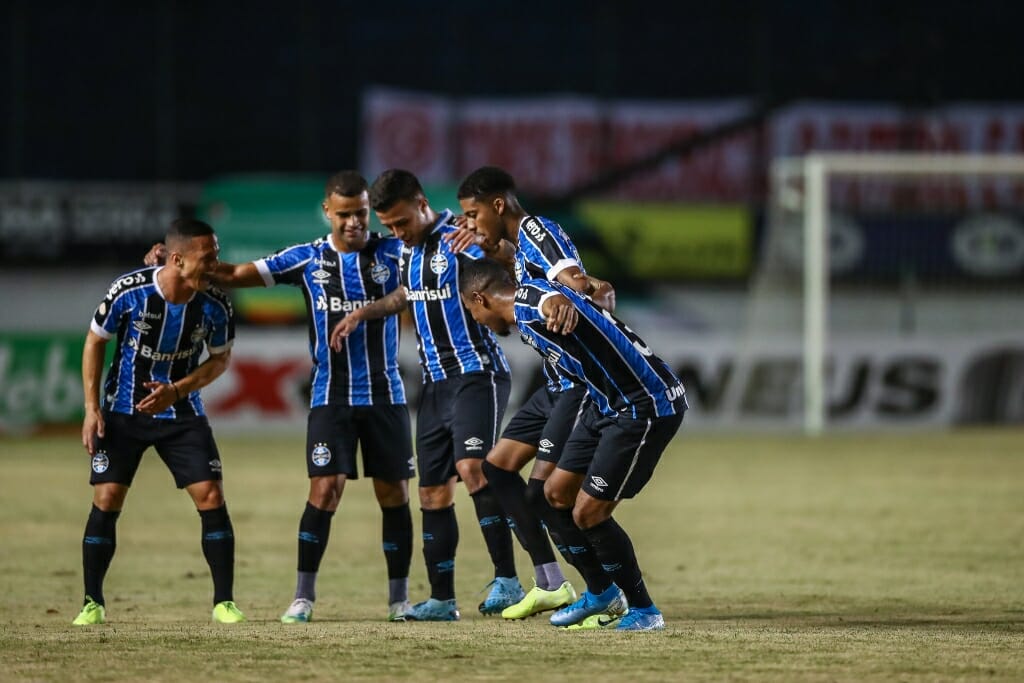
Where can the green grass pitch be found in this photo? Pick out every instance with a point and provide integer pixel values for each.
(853, 557)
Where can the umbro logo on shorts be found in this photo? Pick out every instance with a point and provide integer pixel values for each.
(598, 483)
(473, 443)
(546, 446)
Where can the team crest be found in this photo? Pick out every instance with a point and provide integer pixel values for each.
(321, 455)
(519, 270)
(380, 273)
(438, 263)
(198, 334)
(100, 462)
(103, 308)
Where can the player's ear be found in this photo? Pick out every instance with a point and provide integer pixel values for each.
(499, 205)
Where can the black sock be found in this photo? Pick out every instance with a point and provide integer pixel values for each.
(542, 508)
(497, 535)
(98, 545)
(397, 535)
(440, 539)
(510, 490)
(613, 547)
(584, 559)
(219, 550)
(314, 532)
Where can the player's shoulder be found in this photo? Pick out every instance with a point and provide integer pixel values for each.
(133, 280)
(219, 298)
(384, 245)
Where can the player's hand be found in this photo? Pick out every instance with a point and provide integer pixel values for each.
(156, 256)
(600, 291)
(92, 429)
(162, 395)
(561, 314)
(344, 328)
(463, 238)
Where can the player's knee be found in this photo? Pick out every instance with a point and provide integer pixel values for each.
(109, 498)
(325, 492)
(557, 496)
(471, 472)
(208, 497)
(590, 512)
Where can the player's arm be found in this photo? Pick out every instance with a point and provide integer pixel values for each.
(559, 313)
(92, 370)
(464, 238)
(237, 275)
(600, 291)
(392, 303)
(162, 395)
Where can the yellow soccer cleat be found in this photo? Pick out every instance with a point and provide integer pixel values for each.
(227, 613)
(92, 613)
(539, 600)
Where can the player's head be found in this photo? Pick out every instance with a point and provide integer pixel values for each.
(488, 200)
(347, 208)
(488, 293)
(398, 200)
(193, 251)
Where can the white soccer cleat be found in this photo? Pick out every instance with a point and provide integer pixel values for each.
(397, 610)
(299, 612)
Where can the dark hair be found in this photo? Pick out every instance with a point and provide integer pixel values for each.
(486, 181)
(346, 184)
(483, 275)
(393, 185)
(184, 229)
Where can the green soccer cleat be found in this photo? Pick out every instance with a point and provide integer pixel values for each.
(539, 600)
(227, 613)
(92, 613)
(596, 621)
(299, 612)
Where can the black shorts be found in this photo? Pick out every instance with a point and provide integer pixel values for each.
(546, 420)
(185, 445)
(617, 455)
(382, 433)
(458, 418)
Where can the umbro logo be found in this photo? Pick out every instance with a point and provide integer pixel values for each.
(545, 446)
(142, 326)
(320, 276)
(473, 443)
(598, 483)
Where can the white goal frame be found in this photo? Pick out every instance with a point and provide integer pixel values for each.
(816, 169)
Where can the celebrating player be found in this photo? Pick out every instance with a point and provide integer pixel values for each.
(163, 318)
(635, 407)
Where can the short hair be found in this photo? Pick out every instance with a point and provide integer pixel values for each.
(184, 229)
(486, 181)
(394, 185)
(346, 184)
(483, 275)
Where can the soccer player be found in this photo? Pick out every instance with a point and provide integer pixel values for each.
(357, 397)
(635, 407)
(163, 318)
(466, 387)
(534, 247)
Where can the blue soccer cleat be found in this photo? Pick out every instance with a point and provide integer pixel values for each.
(433, 610)
(611, 602)
(641, 619)
(505, 592)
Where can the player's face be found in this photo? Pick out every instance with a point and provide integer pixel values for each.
(407, 220)
(349, 218)
(485, 314)
(485, 219)
(198, 261)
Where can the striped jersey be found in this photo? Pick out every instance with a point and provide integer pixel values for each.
(158, 341)
(544, 251)
(334, 283)
(622, 375)
(449, 341)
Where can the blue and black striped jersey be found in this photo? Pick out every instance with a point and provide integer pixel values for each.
(622, 375)
(335, 283)
(158, 341)
(450, 342)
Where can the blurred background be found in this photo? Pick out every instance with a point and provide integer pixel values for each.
(658, 135)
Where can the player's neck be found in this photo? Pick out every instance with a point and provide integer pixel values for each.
(174, 288)
(512, 220)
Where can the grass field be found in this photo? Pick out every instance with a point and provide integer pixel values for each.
(773, 558)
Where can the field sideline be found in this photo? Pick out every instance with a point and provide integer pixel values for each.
(856, 557)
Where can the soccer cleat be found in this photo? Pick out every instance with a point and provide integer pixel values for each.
(597, 621)
(641, 619)
(539, 600)
(397, 610)
(612, 602)
(92, 613)
(433, 610)
(227, 613)
(505, 592)
(299, 612)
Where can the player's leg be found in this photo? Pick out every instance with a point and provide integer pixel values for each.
(330, 459)
(437, 496)
(113, 468)
(623, 463)
(188, 449)
(386, 439)
(479, 404)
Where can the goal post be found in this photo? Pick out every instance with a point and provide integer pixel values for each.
(802, 185)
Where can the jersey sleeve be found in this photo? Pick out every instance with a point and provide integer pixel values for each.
(285, 266)
(222, 322)
(114, 306)
(546, 248)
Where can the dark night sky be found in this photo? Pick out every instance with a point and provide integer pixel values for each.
(186, 90)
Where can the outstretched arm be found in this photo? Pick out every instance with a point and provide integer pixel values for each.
(226, 275)
(601, 291)
(393, 303)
